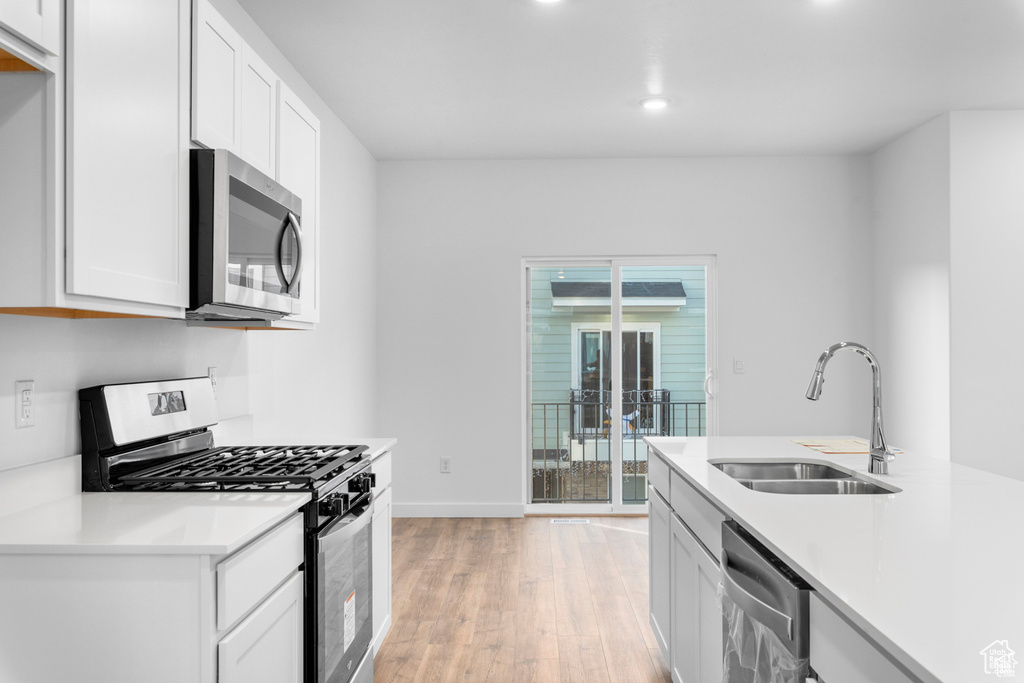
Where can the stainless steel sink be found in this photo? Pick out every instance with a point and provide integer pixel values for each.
(800, 477)
(817, 486)
(781, 470)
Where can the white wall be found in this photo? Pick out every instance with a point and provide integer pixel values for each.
(322, 385)
(792, 239)
(63, 356)
(987, 247)
(910, 207)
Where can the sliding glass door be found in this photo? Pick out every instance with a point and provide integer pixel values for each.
(590, 402)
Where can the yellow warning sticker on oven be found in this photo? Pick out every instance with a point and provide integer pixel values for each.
(350, 619)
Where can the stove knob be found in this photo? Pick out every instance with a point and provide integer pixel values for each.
(334, 505)
(364, 482)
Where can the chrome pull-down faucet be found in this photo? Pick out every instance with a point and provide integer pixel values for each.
(880, 454)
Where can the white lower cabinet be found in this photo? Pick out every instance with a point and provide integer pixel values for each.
(685, 613)
(267, 646)
(659, 540)
(696, 643)
(106, 617)
(381, 549)
(841, 654)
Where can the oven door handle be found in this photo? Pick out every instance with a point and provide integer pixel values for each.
(340, 530)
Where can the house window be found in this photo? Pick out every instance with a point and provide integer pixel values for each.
(641, 373)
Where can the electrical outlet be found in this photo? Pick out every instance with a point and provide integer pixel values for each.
(446, 465)
(211, 372)
(24, 403)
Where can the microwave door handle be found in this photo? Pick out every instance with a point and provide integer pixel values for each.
(291, 222)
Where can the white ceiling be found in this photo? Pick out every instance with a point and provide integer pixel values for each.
(514, 79)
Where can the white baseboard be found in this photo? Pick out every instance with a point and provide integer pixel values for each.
(457, 510)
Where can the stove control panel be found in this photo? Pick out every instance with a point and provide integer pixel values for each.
(363, 483)
(334, 505)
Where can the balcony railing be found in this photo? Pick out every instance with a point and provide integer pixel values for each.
(571, 444)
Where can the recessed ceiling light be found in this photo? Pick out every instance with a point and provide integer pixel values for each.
(548, 2)
(654, 102)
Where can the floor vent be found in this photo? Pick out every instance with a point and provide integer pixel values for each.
(570, 521)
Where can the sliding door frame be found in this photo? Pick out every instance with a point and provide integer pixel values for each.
(615, 264)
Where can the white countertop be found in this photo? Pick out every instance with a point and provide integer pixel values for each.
(933, 574)
(160, 523)
(146, 523)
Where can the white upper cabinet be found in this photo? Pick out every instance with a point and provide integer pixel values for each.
(298, 169)
(258, 113)
(37, 22)
(216, 80)
(241, 105)
(127, 152)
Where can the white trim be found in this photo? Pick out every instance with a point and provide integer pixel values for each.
(615, 480)
(457, 510)
(709, 261)
(574, 347)
(651, 302)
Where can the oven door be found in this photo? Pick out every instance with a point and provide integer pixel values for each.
(248, 240)
(344, 590)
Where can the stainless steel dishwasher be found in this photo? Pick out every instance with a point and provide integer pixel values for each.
(764, 613)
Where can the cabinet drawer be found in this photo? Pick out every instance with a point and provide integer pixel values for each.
(382, 468)
(840, 654)
(658, 474)
(703, 518)
(267, 646)
(251, 574)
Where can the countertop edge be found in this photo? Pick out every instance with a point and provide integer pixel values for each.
(226, 546)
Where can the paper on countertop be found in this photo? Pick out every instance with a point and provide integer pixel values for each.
(838, 446)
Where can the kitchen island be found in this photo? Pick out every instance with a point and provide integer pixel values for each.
(930, 575)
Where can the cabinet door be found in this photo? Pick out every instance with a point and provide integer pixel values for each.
(267, 646)
(683, 661)
(710, 644)
(298, 169)
(127, 150)
(36, 21)
(660, 546)
(696, 637)
(381, 568)
(259, 112)
(216, 80)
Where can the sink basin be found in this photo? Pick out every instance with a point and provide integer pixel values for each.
(781, 470)
(817, 486)
(800, 477)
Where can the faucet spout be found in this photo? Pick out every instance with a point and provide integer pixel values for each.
(880, 455)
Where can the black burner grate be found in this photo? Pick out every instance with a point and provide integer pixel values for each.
(262, 468)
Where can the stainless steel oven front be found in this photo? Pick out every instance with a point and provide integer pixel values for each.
(246, 241)
(343, 590)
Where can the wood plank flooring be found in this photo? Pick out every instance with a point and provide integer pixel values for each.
(520, 600)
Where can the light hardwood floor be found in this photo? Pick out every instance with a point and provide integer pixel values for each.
(520, 600)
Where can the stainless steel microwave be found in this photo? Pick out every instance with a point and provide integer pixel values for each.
(246, 242)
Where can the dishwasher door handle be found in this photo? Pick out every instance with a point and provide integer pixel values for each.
(754, 607)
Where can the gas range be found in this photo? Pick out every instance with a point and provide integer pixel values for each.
(155, 436)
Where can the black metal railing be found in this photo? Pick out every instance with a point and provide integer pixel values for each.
(645, 412)
(571, 446)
